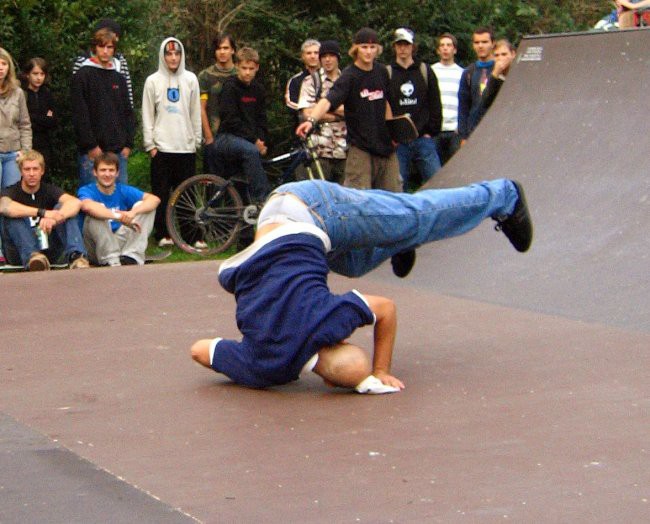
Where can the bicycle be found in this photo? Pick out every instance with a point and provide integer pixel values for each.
(207, 213)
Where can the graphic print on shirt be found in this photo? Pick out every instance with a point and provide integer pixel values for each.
(407, 99)
(377, 94)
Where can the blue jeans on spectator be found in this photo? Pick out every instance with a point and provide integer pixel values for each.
(242, 154)
(422, 152)
(367, 227)
(9, 172)
(20, 240)
(447, 143)
(85, 164)
(209, 160)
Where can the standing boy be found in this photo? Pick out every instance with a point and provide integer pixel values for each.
(211, 81)
(309, 54)
(331, 145)
(414, 91)
(474, 81)
(102, 114)
(504, 55)
(363, 90)
(171, 123)
(448, 73)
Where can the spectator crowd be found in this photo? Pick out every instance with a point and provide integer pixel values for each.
(221, 112)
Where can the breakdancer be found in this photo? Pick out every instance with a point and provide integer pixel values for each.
(290, 320)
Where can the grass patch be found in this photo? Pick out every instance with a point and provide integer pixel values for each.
(140, 177)
(178, 255)
(139, 170)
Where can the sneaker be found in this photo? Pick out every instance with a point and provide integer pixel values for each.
(199, 244)
(79, 262)
(403, 262)
(38, 262)
(518, 227)
(165, 242)
(128, 261)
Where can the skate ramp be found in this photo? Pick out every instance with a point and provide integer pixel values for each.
(571, 124)
(515, 408)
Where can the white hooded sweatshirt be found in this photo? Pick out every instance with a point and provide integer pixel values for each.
(171, 107)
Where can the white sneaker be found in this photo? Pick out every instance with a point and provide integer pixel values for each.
(199, 244)
(165, 242)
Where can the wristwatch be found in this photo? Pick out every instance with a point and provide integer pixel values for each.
(311, 120)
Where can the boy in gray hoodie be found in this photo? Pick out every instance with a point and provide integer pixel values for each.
(171, 121)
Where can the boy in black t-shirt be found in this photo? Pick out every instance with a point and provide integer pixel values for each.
(38, 224)
(363, 89)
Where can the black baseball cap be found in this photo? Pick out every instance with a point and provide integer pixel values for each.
(366, 35)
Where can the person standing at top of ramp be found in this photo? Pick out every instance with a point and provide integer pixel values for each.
(413, 90)
(290, 320)
(362, 89)
(504, 55)
(309, 54)
(474, 81)
(448, 73)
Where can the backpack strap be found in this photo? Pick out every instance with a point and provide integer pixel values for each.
(424, 71)
(318, 84)
(470, 72)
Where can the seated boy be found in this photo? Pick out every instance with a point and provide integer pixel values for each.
(242, 136)
(289, 319)
(119, 217)
(38, 224)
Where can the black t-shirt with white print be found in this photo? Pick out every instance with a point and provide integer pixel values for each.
(364, 95)
(47, 196)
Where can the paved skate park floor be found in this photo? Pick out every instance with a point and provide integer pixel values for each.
(527, 375)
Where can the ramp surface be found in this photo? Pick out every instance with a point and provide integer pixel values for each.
(571, 123)
(528, 393)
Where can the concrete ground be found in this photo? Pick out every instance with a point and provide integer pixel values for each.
(528, 377)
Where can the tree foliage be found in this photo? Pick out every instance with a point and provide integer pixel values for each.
(58, 30)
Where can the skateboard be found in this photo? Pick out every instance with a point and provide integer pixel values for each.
(155, 257)
(402, 129)
(9, 268)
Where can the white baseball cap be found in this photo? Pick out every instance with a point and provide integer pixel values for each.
(404, 35)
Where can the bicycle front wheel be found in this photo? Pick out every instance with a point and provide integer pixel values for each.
(204, 215)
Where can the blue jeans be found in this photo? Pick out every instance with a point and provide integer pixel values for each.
(447, 143)
(422, 152)
(20, 241)
(367, 227)
(9, 172)
(86, 176)
(240, 153)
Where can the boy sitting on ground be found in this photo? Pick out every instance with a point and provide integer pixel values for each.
(119, 217)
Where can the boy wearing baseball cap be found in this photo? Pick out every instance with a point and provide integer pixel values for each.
(363, 90)
(413, 91)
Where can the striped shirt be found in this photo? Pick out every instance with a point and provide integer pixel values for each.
(448, 82)
(121, 66)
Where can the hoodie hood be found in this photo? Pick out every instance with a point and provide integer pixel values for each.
(93, 62)
(162, 66)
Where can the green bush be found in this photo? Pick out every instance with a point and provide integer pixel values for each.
(58, 30)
